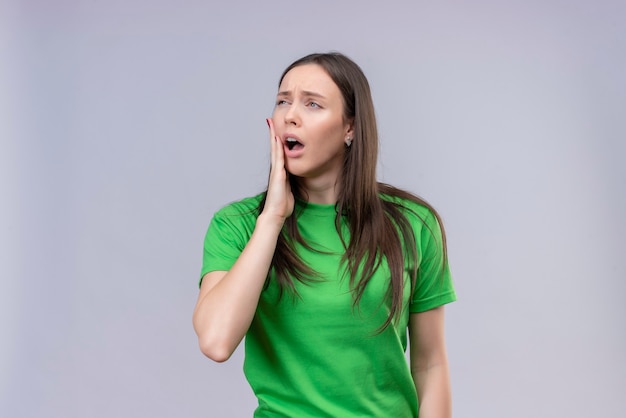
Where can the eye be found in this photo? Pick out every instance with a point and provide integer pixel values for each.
(314, 105)
(281, 102)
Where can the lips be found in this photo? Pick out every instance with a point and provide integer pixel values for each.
(292, 142)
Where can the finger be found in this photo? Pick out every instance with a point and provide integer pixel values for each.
(280, 153)
(270, 126)
(277, 147)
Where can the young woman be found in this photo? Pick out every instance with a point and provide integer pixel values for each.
(325, 271)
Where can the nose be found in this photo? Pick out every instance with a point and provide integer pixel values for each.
(292, 116)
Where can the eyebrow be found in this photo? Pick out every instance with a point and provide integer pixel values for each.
(304, 93)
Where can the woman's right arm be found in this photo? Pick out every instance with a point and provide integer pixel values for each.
(228, 299)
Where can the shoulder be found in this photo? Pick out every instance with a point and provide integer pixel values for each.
(421, 218)
(246, 207)
(235, 221)
(411, 206)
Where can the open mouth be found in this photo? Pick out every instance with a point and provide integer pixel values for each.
(293, 143)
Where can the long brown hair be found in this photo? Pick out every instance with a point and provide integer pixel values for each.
(378, 227)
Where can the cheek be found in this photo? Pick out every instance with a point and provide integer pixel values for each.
(275, 116)
(278, 122)
(333, 131)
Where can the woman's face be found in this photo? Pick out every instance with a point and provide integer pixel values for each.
(309, 119)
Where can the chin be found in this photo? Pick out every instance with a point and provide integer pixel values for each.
(297, 174)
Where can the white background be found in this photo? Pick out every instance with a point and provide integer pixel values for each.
(126, 124)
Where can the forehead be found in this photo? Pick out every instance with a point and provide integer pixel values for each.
(309, 77)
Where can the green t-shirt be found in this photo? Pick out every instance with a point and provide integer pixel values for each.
(317, 355)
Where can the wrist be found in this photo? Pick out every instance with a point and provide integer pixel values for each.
(273, 222)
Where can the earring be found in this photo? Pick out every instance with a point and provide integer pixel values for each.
(348, 141)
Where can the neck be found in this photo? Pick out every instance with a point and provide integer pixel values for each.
(320, 190)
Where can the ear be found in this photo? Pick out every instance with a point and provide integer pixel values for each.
(349, 132)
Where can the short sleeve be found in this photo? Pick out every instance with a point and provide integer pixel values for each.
(226, 237)
(433, 286)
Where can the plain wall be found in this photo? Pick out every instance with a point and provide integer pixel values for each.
(125, 125)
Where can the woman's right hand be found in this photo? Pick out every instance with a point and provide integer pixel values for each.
(279, 202)
(228, 299)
